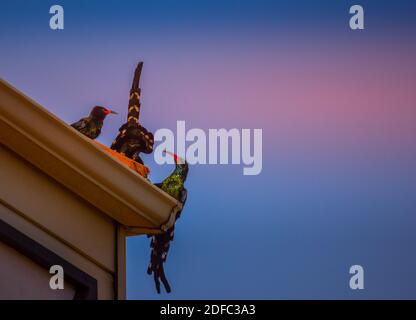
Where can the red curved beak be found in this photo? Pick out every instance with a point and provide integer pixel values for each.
(178, 159)
(108, 111)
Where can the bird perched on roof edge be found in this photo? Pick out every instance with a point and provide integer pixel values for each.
(133, 138)
(91, 126)
(160, 243)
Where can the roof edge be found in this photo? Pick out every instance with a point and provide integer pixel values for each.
(75, 162)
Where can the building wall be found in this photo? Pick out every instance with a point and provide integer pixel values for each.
(50, 214)
(21, 278)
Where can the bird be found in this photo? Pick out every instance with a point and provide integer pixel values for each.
(91, 126)
(133, 138)
(160, 243)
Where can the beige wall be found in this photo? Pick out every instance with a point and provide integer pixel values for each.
(50, 214)
(22, 279)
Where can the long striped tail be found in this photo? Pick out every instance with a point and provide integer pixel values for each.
(160, 246)
(133, 138)
(133, 114)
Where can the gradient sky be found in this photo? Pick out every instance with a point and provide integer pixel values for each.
(337, 109)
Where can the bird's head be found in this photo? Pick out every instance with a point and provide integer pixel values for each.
(100, 113)
(182, 167)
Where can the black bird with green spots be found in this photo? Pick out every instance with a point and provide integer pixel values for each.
(174, 185)
(91, 126)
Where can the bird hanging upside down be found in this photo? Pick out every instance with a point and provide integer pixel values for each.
(174, 186)
(91, 126)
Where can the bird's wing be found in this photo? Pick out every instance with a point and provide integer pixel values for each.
(81, 124)
(184, 193)
(184, 196)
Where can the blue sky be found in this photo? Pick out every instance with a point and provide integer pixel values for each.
(337, 112)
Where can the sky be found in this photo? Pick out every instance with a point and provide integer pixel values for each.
(337, 110)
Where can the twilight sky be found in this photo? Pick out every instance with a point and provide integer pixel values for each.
(337, 109)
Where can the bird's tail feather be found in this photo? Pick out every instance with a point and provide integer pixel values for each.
(160, 246)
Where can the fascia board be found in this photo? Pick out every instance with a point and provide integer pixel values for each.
(71, 159)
